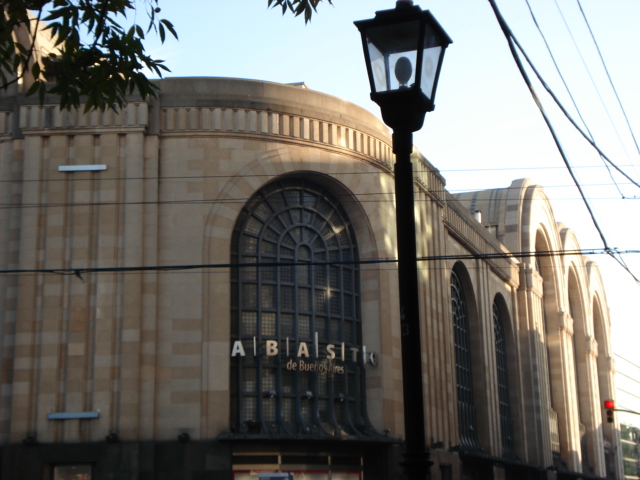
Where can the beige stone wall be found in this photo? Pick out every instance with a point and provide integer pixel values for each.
(564, 333)
(150, 349)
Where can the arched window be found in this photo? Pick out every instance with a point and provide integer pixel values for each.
(298, 359)
(506, 420)
(464, 375)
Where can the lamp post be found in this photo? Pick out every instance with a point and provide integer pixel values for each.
(404, 48)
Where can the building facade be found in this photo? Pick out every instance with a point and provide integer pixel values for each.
(203, 285)
(630, 451)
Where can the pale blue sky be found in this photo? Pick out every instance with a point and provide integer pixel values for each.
(486, 129)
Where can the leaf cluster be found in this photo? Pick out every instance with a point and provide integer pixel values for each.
(298, 7)
(99, 60)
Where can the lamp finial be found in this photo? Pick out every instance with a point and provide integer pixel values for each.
(404, 3)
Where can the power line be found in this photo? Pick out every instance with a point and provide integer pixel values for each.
(627, 376)
(604, 65)
(160, 268)
(626, 360)
(566, 86)
(628, 393)
(513, 43)
(343, 198)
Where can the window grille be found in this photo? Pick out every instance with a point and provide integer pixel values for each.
(467, 425)
(304, 287)
(506, 420)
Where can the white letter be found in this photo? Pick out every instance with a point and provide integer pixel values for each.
(373, 360)
(330, 353)
(237, 349)
(272, 348)
(303, 350)
(354, 353)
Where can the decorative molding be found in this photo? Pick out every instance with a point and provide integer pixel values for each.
(6, 123)
(36, 118)
(591, 345)
(565, 322)
(283, 126)
(533, 281)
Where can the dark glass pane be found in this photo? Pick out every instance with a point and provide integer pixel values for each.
(462, 345)
(506, 421)
(268, 294)
(253, 226)
(320, 301)
(268, 324)
(286, 325)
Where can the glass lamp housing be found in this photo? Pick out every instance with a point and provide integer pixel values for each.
(404, 48)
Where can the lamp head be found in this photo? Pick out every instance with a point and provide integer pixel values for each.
(403, 48)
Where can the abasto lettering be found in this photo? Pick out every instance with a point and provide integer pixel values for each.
(306, 357)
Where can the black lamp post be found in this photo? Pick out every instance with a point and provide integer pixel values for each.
(404, 48)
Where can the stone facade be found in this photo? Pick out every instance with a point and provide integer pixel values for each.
(119, 301)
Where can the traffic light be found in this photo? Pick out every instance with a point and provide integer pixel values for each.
(609, 406)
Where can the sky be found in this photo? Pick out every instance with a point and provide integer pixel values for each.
(486, 130)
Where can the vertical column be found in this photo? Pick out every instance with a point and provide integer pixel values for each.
(131, 254)
(594, 415)
(535, 386)
(565, 397)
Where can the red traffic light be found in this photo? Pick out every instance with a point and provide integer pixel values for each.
(609, 404)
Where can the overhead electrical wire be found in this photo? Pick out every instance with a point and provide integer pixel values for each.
(102, 178)
(628, 376)
(513, 43)
(227, 201)
(79, 271)
(626, 360)
(564, 82)
(604, 65)
(593, 82)
(628, 393)
(514, 47)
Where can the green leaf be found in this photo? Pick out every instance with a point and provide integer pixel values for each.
(170, 27)
(35, 70)
(34, 88)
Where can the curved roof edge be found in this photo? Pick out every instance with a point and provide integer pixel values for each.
(505, 211)
(259, 94)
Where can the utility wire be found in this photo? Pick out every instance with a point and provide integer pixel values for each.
(230, 201)
(604, 65)
(513, 43)
(626, 360)
(103, 178)
(512, 46)
(595, 86)
(573, 101)
(628, 393)
(345, 198)
(78, 272)
(627, 376)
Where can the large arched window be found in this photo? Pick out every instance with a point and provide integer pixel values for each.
(298, 360)
(506, 420)
(464, 374)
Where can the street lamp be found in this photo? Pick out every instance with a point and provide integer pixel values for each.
(404, 48)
